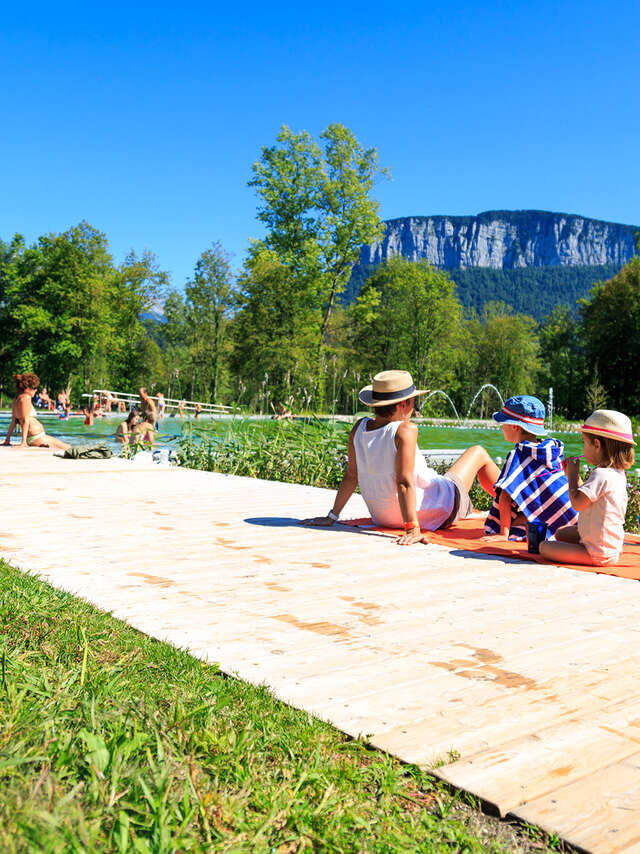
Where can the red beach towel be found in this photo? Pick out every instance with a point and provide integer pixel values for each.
(467, 534)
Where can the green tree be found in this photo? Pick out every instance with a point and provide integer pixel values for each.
(275, 332)
(134, 356)
(56, 302)
(67, 313)
(502, 349)
(408, 316)
(315, 203)
(611, 330)
(562, 362)
(210, 298)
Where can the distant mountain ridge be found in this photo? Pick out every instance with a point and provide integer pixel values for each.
(532, 260)
(504, 240)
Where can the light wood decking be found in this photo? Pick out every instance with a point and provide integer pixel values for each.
(529, 673)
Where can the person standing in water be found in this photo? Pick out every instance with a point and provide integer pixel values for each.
(148, 408)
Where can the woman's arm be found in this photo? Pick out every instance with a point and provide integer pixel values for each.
(346, 488)
(407, 444)
(7, 438)
(23, 415)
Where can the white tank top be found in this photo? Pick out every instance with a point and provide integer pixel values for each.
(376, 461)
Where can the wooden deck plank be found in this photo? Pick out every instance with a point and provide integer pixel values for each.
(599, 813)
(531, 767)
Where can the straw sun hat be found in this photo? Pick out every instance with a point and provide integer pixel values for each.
(610, 424)
(389, 387)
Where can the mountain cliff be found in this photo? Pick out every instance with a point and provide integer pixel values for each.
(504, 240)
(531, 260)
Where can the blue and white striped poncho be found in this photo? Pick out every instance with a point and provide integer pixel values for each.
(533, 476)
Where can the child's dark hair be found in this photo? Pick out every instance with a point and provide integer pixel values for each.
(615, 454)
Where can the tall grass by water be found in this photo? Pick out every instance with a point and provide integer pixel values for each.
(314, 453)
(311, 452)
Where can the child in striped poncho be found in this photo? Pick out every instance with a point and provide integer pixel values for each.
(532, 486)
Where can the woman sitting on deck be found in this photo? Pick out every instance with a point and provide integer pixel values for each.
(24, 414)
(399, 488)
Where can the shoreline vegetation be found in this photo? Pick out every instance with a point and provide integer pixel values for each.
(113, 741)
(312, 453)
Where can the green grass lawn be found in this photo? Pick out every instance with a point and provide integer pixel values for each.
(112, 741)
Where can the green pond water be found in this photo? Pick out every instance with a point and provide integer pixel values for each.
(74, 431)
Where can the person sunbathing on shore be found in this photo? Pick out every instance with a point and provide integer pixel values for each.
(24, 415)
(399, 488)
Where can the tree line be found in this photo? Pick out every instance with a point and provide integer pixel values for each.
(276, 331)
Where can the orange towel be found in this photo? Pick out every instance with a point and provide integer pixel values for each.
(467, 534)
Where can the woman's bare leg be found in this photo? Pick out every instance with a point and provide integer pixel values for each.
(565, 552)
(50, 442)
(476, 462)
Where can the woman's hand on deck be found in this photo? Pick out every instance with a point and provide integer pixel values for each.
(412, 537)
(318, 522)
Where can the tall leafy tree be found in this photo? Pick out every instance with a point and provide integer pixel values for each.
(56, 298)
(316, 204)
(407, 316)
(562, 362)
(275, 331)
(502, 348)
(138, 284)
(611, 329)
(210, 297)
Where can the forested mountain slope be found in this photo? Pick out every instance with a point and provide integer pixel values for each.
(532, 260)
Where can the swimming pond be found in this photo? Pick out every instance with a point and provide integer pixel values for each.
(431, 437)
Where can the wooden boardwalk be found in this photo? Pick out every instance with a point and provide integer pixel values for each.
(523, 679)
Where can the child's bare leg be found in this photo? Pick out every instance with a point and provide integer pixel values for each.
(568, 534)
(476, 462)
(565, 552)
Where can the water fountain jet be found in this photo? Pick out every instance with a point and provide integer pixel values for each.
(479, 392)
(439, 391)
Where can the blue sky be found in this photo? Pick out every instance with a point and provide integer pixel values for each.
(145, 118)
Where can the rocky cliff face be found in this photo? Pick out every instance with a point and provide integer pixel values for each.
(504, 239)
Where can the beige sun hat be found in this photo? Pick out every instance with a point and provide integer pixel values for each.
(610, 424)
(389, 387)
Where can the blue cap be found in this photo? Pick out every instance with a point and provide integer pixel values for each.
(524, 411)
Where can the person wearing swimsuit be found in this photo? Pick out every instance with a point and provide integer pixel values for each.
(24, 414)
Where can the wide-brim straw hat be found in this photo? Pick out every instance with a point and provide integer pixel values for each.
(389, 387)
(610, 424)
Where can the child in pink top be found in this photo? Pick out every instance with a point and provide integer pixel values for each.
(601, 501)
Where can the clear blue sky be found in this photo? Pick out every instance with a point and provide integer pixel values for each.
(144, 118)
